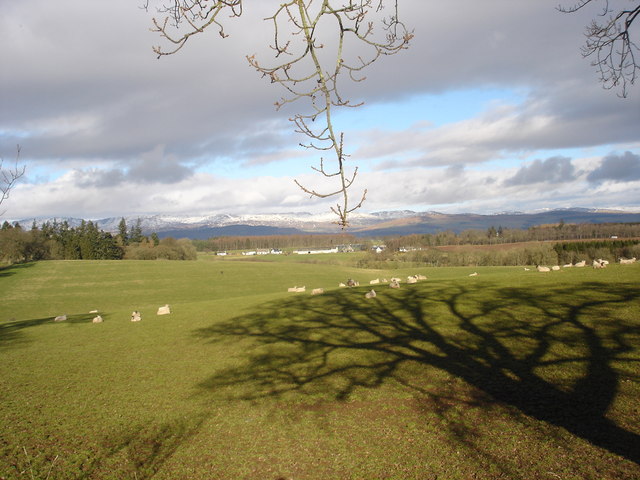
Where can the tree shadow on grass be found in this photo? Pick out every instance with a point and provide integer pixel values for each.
(10, 270)
(141, 450)
(13, 332)
(557, 355)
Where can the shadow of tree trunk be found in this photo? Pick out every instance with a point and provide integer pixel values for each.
(554, 355)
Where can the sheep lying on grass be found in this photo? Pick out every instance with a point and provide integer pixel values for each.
(164, 310)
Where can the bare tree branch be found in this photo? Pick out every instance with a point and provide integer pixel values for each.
(307, 66)
(9, 177)
(610, 44)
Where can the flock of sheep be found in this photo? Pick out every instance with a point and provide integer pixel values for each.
(136, 316)
(393, 283)
(599, 263)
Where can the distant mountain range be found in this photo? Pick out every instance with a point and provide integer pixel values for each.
(377, 224)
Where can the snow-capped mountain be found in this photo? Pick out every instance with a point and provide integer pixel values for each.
(402, 222)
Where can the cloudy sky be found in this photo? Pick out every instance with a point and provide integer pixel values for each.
(492, 108)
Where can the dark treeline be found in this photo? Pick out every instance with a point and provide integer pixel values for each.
(223, 244)
(543, 245)
(526, 253)
(572, 252)
(498, 235)
(59, 241)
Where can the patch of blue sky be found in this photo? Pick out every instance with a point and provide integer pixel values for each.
(238, 169)
(14, 134)
(433, 109)
(430, 109)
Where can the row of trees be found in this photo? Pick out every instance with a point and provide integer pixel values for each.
(57, 241)
(499, 235)
(538, 253)
(60, 241)
(493, 235)
(223, 244)
(572, 252)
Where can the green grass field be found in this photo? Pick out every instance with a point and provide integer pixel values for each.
(510, 374)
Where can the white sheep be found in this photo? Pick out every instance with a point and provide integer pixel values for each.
(164, 310)
(580, 264)
(374, 281)
(555, 268)
(540, 268)
(135, 316)
(627, 261)
(412, 279)
(474, 274)
(394, 284)
(370, 294)
(317, 291)
(97, 319)
(60, 318)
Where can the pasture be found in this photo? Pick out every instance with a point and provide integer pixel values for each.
(509, 374)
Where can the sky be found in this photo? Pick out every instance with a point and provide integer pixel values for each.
(492, 108)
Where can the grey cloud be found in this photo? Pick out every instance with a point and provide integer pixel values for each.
(152, 167)
(98, 178)
(157, 167)
(551, 170)
(116, 79)
(617, 168)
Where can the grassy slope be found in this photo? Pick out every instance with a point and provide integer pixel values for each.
(510, 374)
